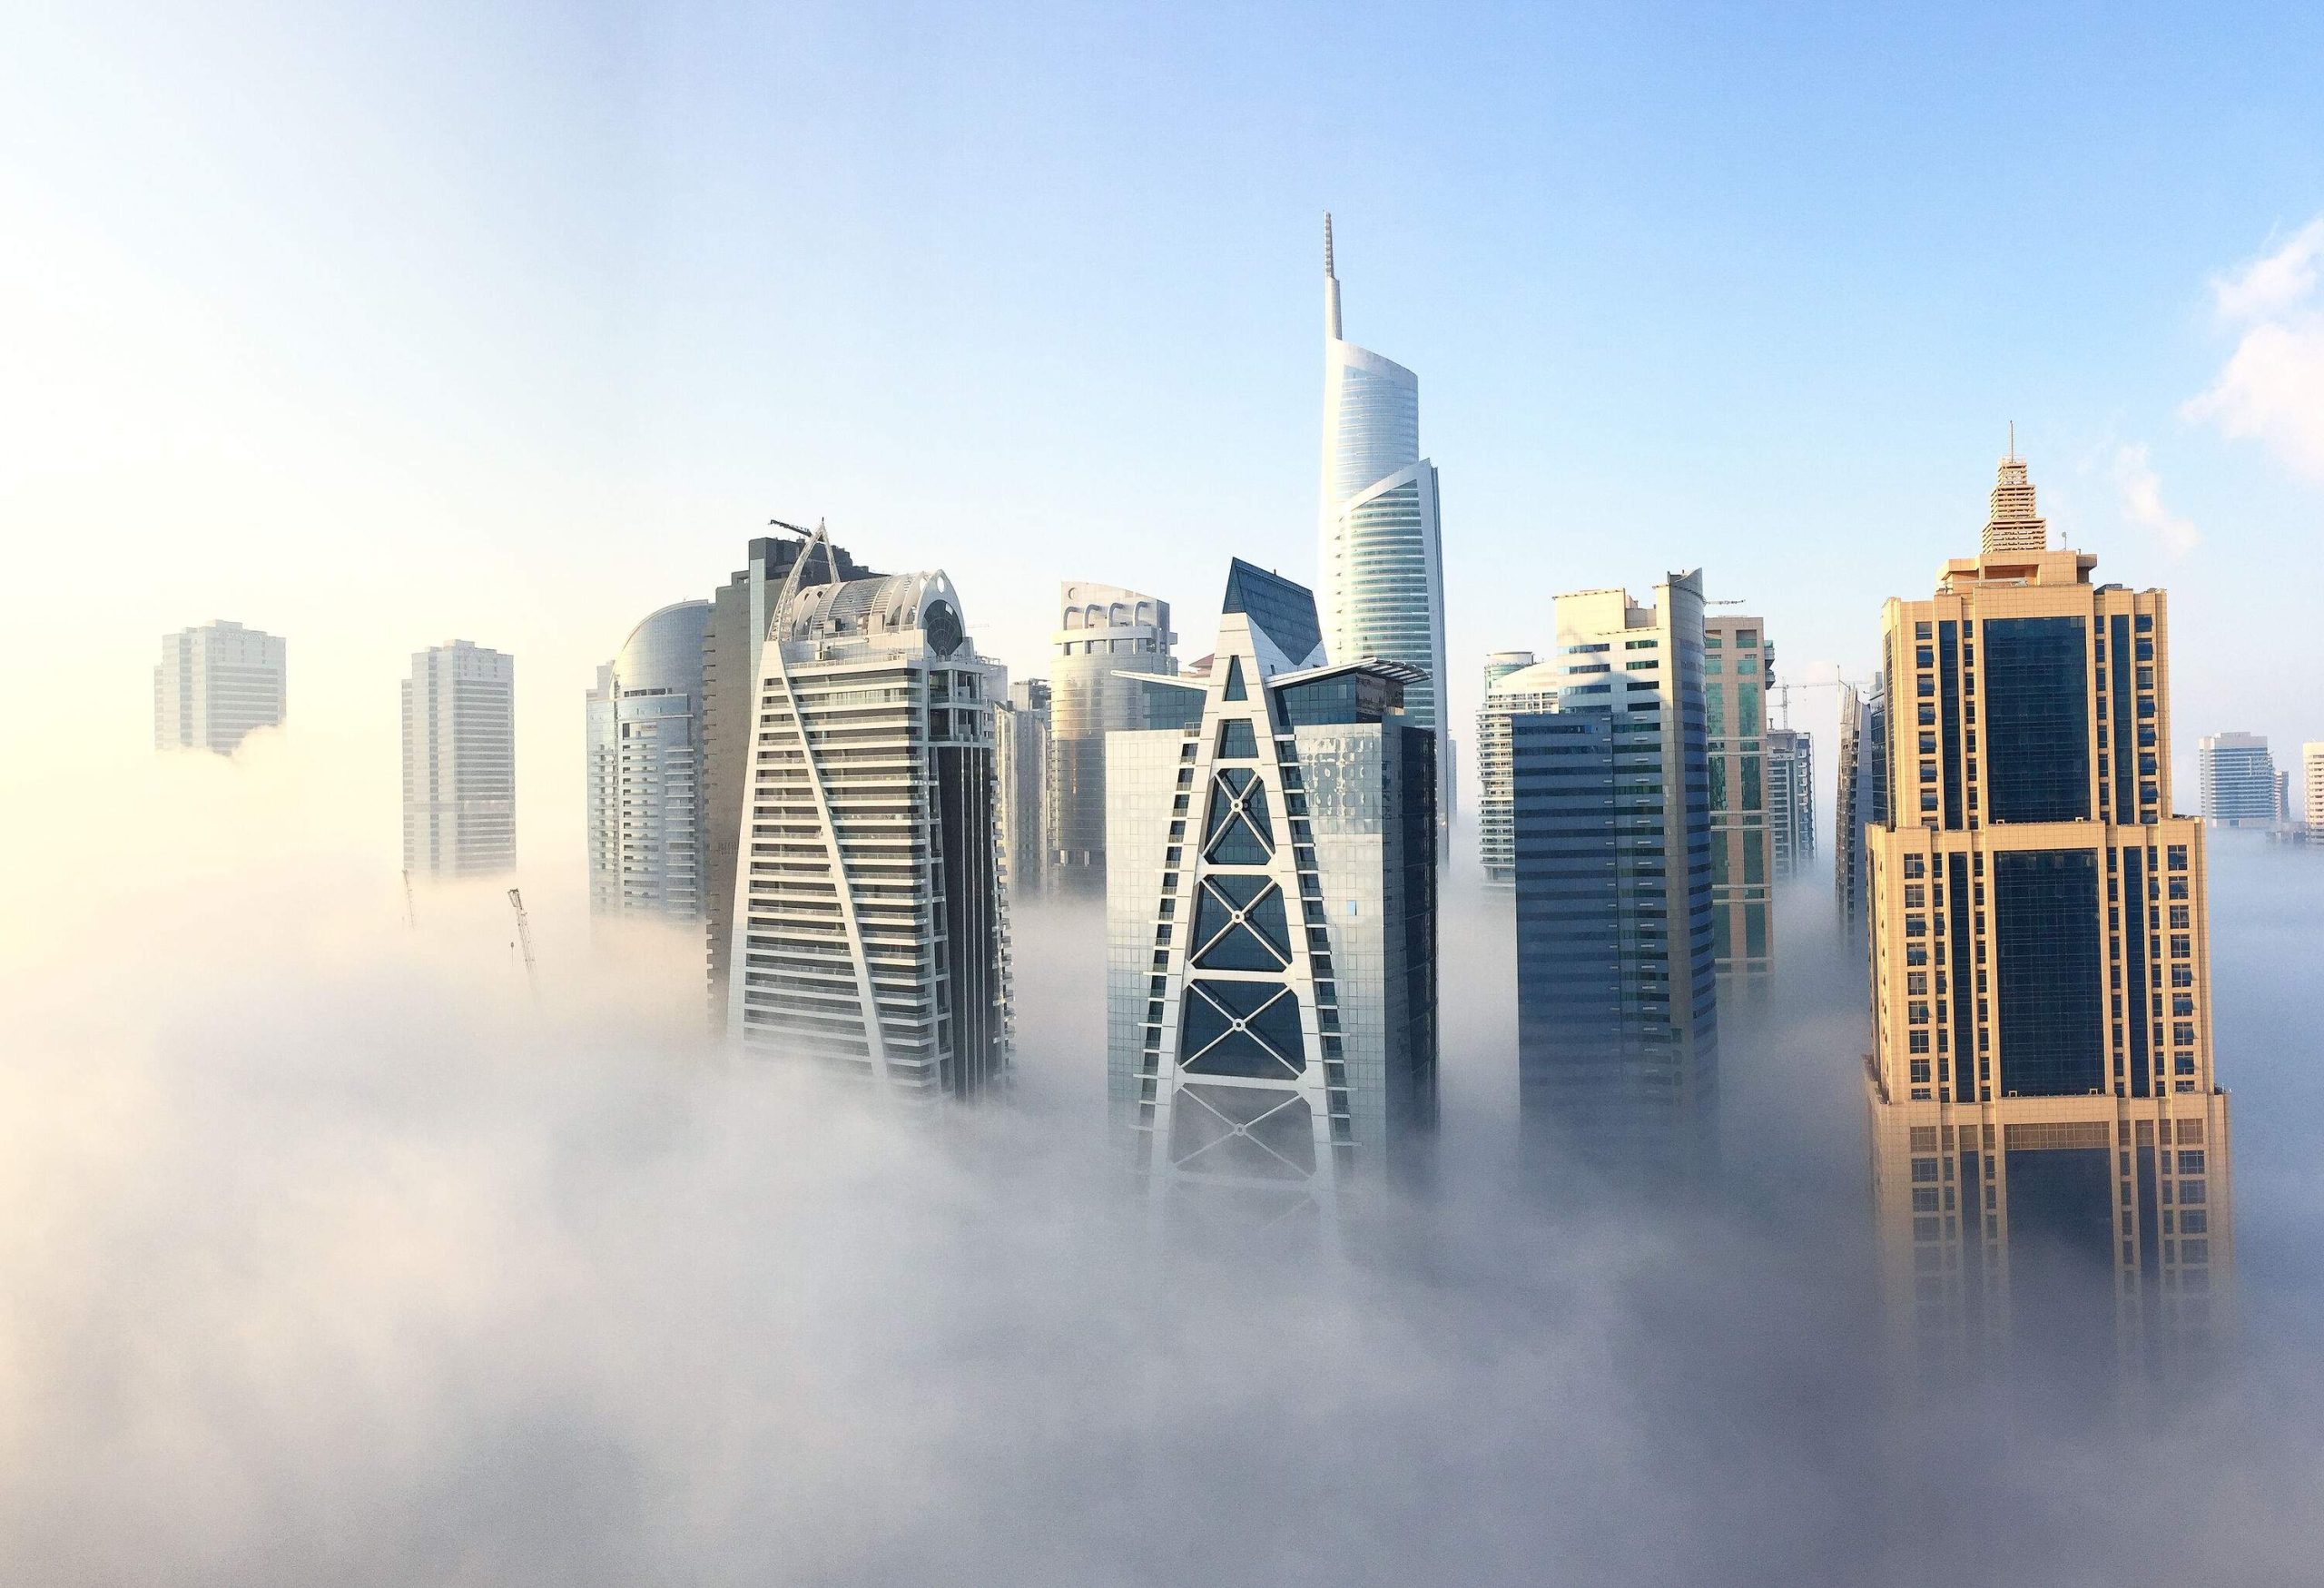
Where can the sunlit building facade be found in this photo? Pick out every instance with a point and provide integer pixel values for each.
(2050, 1147)
(1516, 684)
(2310, 811)
(1617, 1000)
(1382, 557)
(216, 684)
(459, 762)
(1104, 636)
(1272, 924)
(643, 771)
(1020, 744)
(869, 926)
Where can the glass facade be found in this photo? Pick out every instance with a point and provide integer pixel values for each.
(2049, 974)
(2037, 726)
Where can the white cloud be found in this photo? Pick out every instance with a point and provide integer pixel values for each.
(2282, 280)
(2271, 389)
(2142, 499)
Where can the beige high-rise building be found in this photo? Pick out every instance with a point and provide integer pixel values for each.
(1738, 669)
(2050, 1147)
(2312, 775)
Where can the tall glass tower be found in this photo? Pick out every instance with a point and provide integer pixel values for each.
(1383, 560)
(1617, 1002)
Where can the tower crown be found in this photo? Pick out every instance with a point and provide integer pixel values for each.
(2014, 525)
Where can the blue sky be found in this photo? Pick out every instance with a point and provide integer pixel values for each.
(372, 325)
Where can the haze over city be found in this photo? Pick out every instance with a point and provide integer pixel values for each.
(1545, 1003)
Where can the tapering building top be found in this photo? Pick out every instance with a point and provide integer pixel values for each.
(1383, 582)
(2015, 526)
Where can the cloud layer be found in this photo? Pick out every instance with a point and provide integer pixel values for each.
(332, 1262)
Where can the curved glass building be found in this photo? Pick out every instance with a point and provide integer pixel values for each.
(1382, 562)
(646, 771)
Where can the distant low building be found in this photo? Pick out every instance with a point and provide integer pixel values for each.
(217, 684)
(459, 762)
(2236, 779)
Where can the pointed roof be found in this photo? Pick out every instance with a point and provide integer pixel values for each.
(1283, 611)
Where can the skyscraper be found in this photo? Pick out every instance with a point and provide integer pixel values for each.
(2237, 780)
(740, 611)
(1738, 671)
(1791, 802)
(215, 685)
(1515, 684)
(1021, 737)
(1104, 634)
(2311, 776)
(645, 776)
(1272, 921)
(2050, 1149)
(869, 930)
(1861, 803)
(1383, 558)
(459, 762)
(1616, 1004)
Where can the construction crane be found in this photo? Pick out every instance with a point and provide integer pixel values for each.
(524, 941)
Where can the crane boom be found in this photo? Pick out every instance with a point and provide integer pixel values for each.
(524, 941)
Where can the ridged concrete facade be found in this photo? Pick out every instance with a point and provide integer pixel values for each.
(869, 930)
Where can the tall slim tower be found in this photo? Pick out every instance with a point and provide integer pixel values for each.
(2049, 1145)
(1739, 676)
(645, 781)
(1791, 801)
(1382, 557)
(1515, 686)
(868, 931)
(215, 686)
(1617, 1002)
(1021, 761)
(1105, 635)
(1272, 921)
(1862, 800)
(459, 762)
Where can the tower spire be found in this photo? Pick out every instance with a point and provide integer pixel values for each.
(1330, 286)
